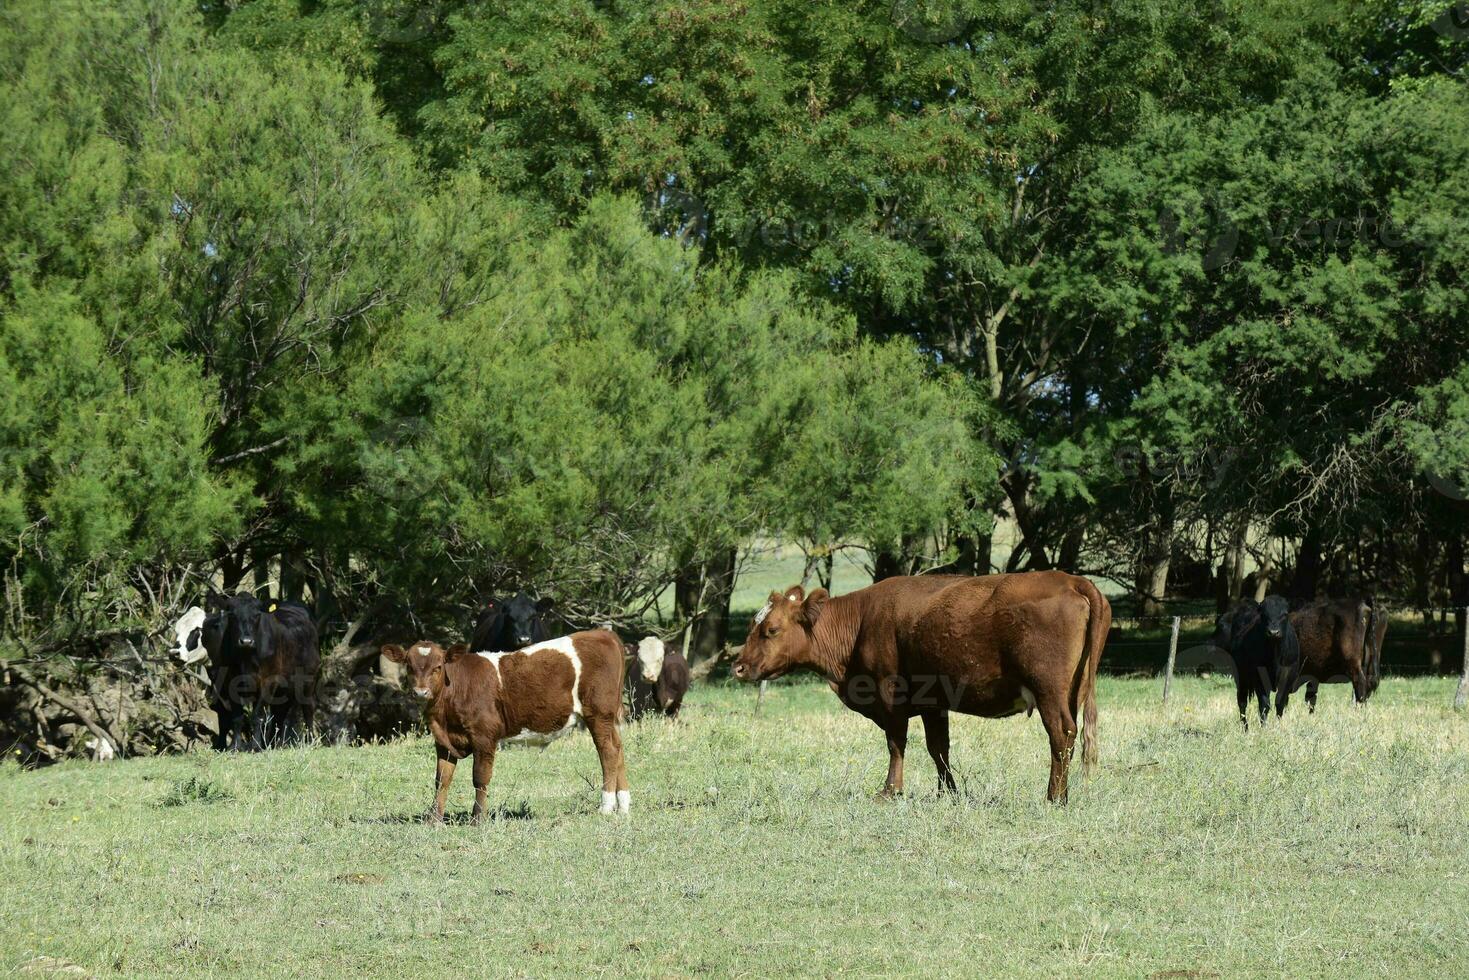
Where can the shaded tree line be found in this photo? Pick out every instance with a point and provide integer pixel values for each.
(397, 304)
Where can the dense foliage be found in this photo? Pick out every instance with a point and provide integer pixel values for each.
(401, 303)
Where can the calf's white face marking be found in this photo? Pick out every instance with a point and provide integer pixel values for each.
(650, 658)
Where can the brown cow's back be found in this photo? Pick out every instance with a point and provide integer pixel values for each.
(1334, 643)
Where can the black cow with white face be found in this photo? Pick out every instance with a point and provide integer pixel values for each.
(267, 667)
(504, 625)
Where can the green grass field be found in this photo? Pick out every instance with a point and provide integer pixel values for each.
(1334, 843)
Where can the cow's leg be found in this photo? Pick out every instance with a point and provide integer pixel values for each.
(237, 729)
(484, 766)
(897, 733)
(609, 750)
(1061, 731)
(1311, 695)
(1242, 695)
(1263, 688)
(1359, 683)
(936, 737)
(443, 776)
(225, 725)
(1283, 688)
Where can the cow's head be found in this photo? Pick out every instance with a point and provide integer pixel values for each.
(425, 661)
(1275, 611)
(780, 634)
(188, 637)
(247, 627)
(523, 614)
(650, 658)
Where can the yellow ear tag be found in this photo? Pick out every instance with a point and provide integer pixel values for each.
(272, 608)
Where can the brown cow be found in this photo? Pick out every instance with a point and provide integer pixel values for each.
(1341, 640)
(476, 702)
(922, 646)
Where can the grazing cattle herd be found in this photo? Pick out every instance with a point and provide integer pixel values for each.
(902, 648)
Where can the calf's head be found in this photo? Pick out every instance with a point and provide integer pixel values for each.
(188, 637)
(425, 661)
(650, 658)
(780, 634)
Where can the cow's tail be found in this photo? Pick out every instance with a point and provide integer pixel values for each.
(1373, 645)
(1098, 624)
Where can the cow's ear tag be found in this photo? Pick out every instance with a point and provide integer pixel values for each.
(272, 608)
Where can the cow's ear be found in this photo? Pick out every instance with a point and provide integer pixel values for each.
(395, 653)
(814, 604)
(215, 601)
(795, 594)
(455, 652)
(545, 605)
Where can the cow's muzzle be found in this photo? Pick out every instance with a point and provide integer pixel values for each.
(421, 691)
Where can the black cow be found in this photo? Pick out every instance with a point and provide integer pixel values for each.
(268, 664)
(1265, 650)
(504, 625)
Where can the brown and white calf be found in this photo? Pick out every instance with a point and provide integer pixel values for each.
(476, 702)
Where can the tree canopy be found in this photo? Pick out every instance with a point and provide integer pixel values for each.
(400, 304)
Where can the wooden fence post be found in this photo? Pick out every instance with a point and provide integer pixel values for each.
(1461, 696)
(1172, 657)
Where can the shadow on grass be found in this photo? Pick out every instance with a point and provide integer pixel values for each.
(456, 818)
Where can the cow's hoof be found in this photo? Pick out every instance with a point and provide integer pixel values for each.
(886, 795)
(433, 819)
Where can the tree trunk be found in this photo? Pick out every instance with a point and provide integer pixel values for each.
(1308, 565)
(1070, 557)
(904, 560)
(1152, 583)
(702, 592)
(1031, 541)
(293, 577)
(1234, 561)
(1152, 567)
